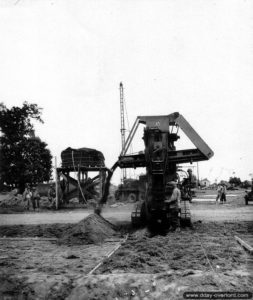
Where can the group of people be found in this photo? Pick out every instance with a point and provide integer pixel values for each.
(173, 199)
(31, 197)
(221, 193)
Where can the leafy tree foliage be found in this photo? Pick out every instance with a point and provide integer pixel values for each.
(24, 158)
(246, 184)
(236, 181)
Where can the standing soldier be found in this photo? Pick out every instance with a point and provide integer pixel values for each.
(219, 189)
(51, 193)
(188, 184)
(35, 198)
(192, 178)
(223, 193)
(27, 196)
(192, 183)
(173, 198)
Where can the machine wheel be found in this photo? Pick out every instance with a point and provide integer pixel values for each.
(142, 197)
(132, 198)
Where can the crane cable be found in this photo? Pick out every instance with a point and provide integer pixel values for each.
(128, 128)
(78, 181)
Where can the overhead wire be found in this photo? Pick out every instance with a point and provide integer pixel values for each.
(128, 126)
(128, 130)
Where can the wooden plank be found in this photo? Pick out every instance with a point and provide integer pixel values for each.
(244, 244)
(109, 255)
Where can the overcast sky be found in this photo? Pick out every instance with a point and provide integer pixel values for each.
(194, 57)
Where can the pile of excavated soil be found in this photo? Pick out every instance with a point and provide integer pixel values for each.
(91, 230)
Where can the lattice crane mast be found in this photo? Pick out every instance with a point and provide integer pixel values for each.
(122, 125)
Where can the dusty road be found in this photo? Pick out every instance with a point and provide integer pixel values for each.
(204, 211)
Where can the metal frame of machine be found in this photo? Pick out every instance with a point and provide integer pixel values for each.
(160, 158)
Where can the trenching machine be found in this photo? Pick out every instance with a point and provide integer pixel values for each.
(161, 159)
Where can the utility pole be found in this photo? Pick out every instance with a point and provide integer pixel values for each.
(198, 173)
(56, 185)
(122, 125)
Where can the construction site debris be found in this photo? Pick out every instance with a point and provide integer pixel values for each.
(74, 200)
(244, 244)
(14, 200)
(11, 199)
(117, 204)
(45, 203)
(91, 230)
(71, 255)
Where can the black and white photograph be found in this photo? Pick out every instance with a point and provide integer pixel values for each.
(126, 149)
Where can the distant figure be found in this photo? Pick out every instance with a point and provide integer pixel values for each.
(219, 188)
(35, 198)
(173, 199)
(223, 193)
(51, 194)
(27, 196)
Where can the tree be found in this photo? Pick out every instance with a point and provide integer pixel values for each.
(25, 158)
(235, 181)
(246, 184)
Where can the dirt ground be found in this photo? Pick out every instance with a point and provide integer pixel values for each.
(35, 265)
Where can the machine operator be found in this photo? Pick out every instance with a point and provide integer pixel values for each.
(173, 199)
